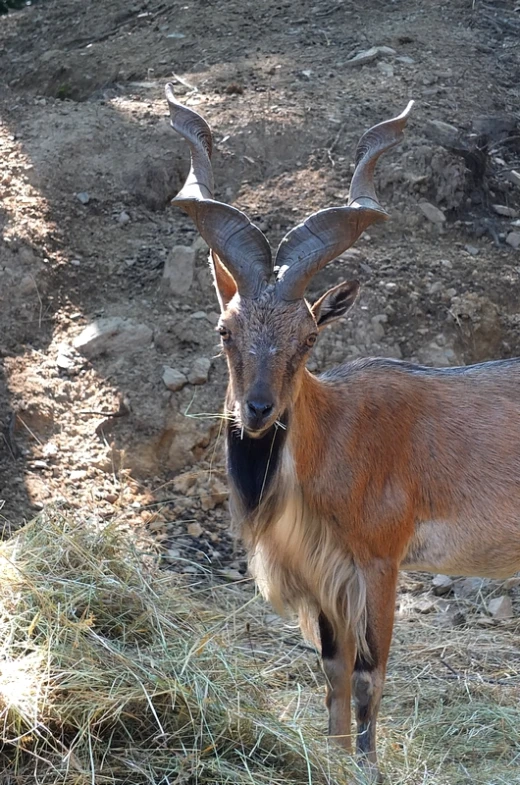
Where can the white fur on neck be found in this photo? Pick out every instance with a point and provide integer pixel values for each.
(299, 565)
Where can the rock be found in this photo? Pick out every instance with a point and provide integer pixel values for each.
(27, 285)
(502, 209)
(443, 133)
(178, 270)
(216, 494)
(514, 177)
(77, 474)
(123, 218)
(424, 605)
(513, 239)
(472, 250)
(199, 371)
(468, 588)
(83, 197)
(50, 450)
(173, 379)
(435, 287)
(200, 246)
(496, 127)
(479, 324)
(112, 335)
(442, 584)
(437, 356)
(406, 59)
(183, 482)
(194, 529)
(65, 358)
(368, 55)
(230, 574)
(432, 213)
(387, 69)
(501, 607)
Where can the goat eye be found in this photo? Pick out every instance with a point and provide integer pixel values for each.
(311, 339)
(224, 333)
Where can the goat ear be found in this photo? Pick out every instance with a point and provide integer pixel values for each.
(224, 282)
(335, 303)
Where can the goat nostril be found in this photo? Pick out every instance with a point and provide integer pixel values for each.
(259, 408)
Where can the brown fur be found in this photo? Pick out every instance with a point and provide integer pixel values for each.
(385, 466)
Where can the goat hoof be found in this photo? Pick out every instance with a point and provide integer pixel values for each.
(371, 774)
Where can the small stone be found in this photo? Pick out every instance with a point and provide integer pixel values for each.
(367, 56)
(387, 69)
(442, 133)
(514, 177)
(512, 583)
(194, 529)
(513, 239)
(502, 209)
(424, 605)
(112, 335)
(230, 574)
(435, 287)
(199, 371)
(200, 246)
(472, 250)
(65, 358)
(217, 494)
(183, 482)
(501, 607)
(83, 197)
(75, 262)
(432, 213)
(123, 218)
(406, 59)
(173, 379)
(178, 270)
(78, 474)
(442, 584)
(468, 588)
(49, 450)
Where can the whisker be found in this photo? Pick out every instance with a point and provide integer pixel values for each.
(280, 424)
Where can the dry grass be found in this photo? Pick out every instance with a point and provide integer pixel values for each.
(112, 671)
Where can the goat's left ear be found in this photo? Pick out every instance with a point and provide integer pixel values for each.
(335, 303)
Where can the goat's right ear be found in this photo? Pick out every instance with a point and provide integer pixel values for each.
(224, 282)
(335, 303)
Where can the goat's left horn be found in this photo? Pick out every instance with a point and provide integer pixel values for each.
(326, 234)
(240, 244)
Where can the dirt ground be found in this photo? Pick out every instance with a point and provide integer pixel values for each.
(88, 164)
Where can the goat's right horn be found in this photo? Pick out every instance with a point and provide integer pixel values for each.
(241, 246)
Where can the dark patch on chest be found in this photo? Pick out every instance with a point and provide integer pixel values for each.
(252, 463)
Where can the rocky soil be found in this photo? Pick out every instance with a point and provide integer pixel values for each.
(110, 379)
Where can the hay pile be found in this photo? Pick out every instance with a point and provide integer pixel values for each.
(112, 672)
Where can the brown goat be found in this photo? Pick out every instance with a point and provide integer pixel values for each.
(339, 481)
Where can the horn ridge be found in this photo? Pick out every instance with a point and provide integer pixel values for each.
(323, 236)
(242, 247)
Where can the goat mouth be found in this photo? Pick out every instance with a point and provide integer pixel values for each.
(258, 431)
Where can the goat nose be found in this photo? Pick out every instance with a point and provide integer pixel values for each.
(259, 408)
